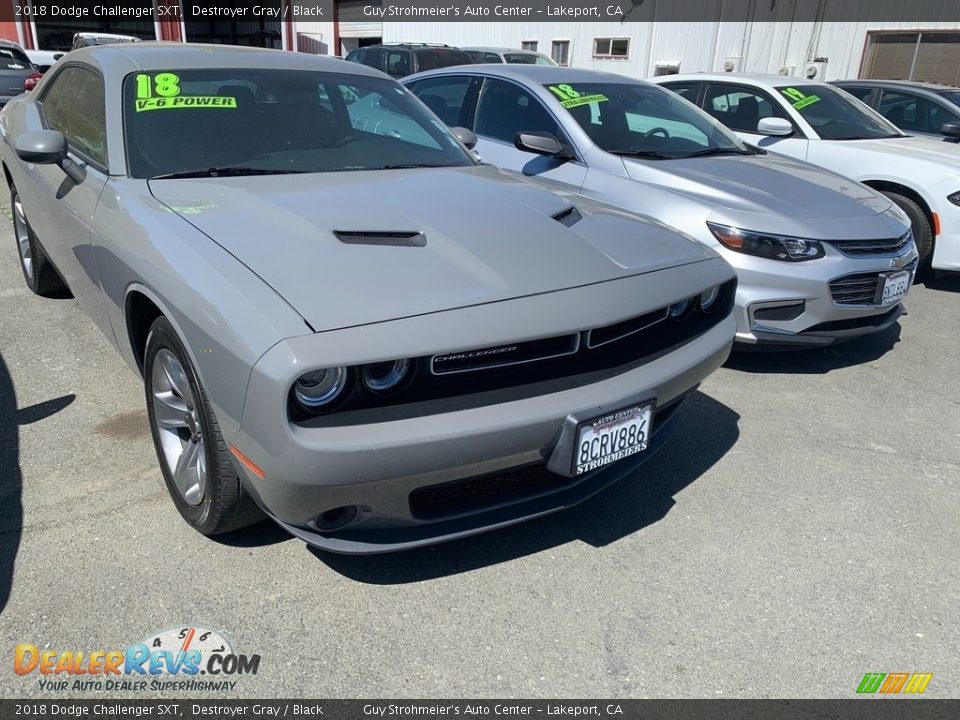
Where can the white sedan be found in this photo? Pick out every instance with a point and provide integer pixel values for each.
(821, 124)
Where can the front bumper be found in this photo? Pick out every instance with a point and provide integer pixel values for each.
(791, 304)
(375, 468)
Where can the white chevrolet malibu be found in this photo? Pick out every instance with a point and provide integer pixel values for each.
(823, 125)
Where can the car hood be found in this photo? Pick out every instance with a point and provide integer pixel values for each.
(945, 156)
(770, 184)
(486, 237)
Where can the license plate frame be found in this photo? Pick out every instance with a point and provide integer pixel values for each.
(613, 428)
(886, 279)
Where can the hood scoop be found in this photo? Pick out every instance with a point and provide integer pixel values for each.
(391, 238)
(570, 216)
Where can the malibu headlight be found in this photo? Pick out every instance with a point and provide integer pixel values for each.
(320, 388)
(774, 247)
(955, 198)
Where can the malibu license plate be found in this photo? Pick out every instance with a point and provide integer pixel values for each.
(894, 287)
(612, 437)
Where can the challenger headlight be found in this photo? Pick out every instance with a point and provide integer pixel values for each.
(774, 247)
(955, 198)
(384, 377)
(320, 388)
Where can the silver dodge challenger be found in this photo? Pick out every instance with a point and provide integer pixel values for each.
(362, 333)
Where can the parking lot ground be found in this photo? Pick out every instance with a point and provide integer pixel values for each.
(801, 529)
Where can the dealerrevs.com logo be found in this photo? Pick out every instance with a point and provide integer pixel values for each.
(184, 658)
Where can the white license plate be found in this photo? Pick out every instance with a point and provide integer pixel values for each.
(895, 287)
(612, 437)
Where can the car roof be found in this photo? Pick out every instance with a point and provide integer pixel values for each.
(535, 73)
(932, 87)
(160, 55)
(105, 35)
(757, 79)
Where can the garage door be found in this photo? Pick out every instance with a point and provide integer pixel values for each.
(921, 56)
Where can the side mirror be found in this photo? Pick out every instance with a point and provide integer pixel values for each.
(465, 136)
(952, 131)
(542, 143)
(774, 126)
(48, 147)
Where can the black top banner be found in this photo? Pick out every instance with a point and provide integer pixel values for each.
(625, 11)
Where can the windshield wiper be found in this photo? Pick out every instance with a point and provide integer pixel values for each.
(642, 153)
(228, 171)
(866, 137)
(718, 151)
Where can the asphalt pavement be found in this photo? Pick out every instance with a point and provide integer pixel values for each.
(801, 529)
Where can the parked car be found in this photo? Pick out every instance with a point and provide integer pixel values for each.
(401, 59)
(15, 68)
(90, 39)
(819, 258)
(370, 337)
(506, 55)
(914, 107)
(821, 124)
(43, 60)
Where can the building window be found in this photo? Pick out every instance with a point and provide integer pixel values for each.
(560, 52)
(928, 56)
(611, 47)
(530, 45)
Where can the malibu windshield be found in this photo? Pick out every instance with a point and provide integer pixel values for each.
(644, 121)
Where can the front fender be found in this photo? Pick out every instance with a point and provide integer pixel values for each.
(226, 316)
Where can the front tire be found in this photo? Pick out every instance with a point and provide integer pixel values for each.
(39, 274)
(922, 232)
(194, 459)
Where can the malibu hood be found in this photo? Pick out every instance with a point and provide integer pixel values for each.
(485, 237)
(763, 184)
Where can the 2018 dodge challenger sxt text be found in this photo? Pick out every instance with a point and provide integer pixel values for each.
(366, 335)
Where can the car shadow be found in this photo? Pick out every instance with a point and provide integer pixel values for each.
(947, 282)
(816, 361)
(706, 431)
(11, 478)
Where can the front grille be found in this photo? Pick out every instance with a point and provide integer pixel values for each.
(470, 494)
(516, 354)
(859, 288)
(482, 492)
(458, 381)
(853, 323)
(885, 246)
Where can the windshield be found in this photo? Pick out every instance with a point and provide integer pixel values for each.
(527, 58)
(836, 115)
(644, 120)
(951, 95)
(441, 58)
(181, 121)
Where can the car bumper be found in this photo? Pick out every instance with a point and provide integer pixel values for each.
(378, 470)
(793, 304)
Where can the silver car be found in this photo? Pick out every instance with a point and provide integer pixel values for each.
(359, 331)
(820, 258)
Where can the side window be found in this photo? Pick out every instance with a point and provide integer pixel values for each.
(913, 113)
(506, 109)
(398, 63)
(373, 57)
(740, 108)
(445, 96)
(860, 93)
(74, 105)
(491, 58)
(688, 90)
